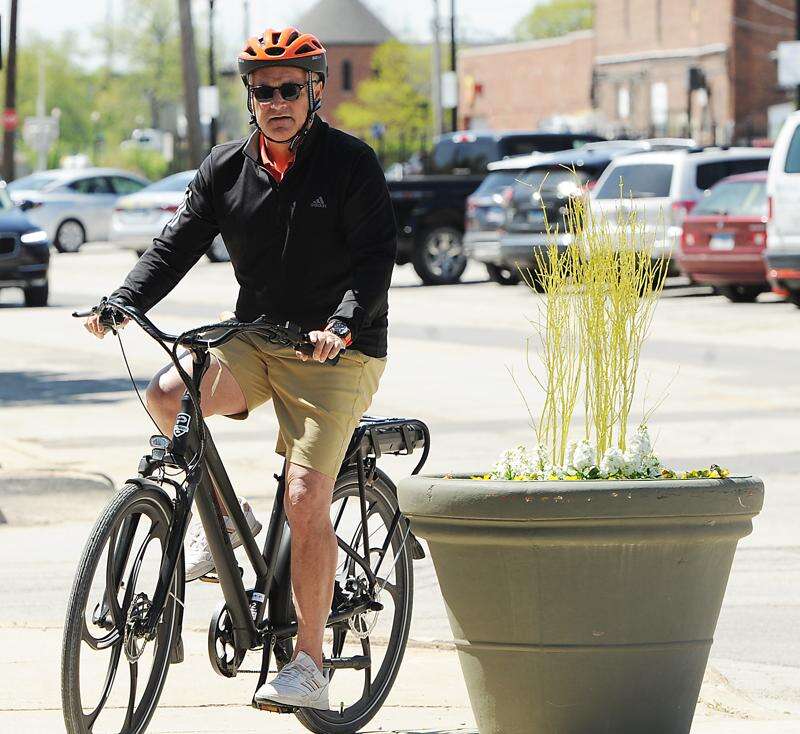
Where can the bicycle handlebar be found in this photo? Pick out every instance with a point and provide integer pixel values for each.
(288, 335)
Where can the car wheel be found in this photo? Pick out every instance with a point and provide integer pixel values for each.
(741, 293)
(439, 257)
(70, 235)
(503, 275)
(36, 295)
(218, 253)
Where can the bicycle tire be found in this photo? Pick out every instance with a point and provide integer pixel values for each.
(155, 503)
(331, 721)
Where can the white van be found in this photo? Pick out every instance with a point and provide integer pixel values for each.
(782, 253)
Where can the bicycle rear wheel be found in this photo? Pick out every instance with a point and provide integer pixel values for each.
(357, 695)
(111, 681)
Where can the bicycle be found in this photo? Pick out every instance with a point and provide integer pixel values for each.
(126, 599)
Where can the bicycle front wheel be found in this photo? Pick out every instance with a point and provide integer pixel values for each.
(377, 638)
(111, 677)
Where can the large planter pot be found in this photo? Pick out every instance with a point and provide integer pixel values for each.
(582, 607)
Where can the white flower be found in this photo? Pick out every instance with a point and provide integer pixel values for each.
(640, 444)
(583, 457)
(651, 466)
(612, 463)
(513, 463)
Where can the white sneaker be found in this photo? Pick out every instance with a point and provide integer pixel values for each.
(300, 684)
(198, 554)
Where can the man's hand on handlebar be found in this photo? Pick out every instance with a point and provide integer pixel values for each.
(326, 346)
(95, 326)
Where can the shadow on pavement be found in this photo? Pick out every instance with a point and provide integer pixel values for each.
(49, 388)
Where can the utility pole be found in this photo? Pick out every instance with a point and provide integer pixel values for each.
(797, 37)
(212, 74)
(190, 84)
(454, 111)
(9, 115)
(436, 72)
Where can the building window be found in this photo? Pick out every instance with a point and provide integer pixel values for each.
(347, 76)
(623, 102)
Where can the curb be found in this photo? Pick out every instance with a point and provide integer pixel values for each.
(22, 492)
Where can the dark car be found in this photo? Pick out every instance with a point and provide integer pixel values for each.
(24, 253)
(538, 200)
(724, 237)
(429, 208)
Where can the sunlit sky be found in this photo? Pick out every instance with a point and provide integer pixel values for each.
(410, 19)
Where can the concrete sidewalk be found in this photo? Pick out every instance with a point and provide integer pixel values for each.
(428, 696)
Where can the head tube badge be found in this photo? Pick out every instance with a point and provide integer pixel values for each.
(182, 421)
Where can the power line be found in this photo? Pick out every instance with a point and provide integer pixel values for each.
(777, 9)
(763, 28)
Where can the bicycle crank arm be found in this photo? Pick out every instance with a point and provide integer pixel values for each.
(290, 630)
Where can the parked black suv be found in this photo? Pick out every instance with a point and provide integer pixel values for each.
(24, 253)
(429, 208)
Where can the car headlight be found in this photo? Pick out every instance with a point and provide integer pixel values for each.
(34, 238)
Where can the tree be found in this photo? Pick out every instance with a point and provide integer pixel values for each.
(396, 97)
(555, 18)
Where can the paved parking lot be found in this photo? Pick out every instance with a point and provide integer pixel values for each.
(729, 374)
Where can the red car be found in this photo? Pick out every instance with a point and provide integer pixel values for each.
(725, 235)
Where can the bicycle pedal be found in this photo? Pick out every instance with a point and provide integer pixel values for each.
(272, 707)
(209, 579)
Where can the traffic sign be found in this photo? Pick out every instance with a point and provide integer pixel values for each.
(789, 63)
(10, 119)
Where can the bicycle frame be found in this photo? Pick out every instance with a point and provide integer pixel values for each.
(209, 483)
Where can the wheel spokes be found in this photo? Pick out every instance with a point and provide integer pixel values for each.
(111, 674)
(134, 673)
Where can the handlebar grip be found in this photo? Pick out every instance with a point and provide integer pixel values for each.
(309, 350)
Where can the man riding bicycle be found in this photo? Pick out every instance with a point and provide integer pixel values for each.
(305, 213)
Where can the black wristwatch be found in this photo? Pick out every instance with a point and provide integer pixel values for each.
(342, 330)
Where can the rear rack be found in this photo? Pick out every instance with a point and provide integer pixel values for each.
(398, 436)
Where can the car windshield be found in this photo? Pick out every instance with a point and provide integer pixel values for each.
(34, 182)
(495, 182)
(737, 198)
(175, 182)
(638, 181)
(550, 181)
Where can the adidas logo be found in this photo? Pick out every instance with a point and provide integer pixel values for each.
(319, 203)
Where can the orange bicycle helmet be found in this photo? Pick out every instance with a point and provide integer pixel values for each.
(288, 47)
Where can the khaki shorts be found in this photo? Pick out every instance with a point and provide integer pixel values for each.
(318, 405)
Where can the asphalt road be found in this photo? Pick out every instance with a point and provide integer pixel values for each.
(728, 376)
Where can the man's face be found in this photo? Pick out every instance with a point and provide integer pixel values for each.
(280, 119)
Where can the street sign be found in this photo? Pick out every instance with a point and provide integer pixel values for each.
(449, 90)
(208, 100)
(10, 119)
(40, 132)
(789, 63)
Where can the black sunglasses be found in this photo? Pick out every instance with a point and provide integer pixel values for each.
(290, 91)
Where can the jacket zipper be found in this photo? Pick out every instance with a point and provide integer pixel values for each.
(288, 230)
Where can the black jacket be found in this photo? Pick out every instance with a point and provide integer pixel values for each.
(319, 244)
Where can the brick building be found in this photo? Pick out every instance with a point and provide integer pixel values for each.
(516, 86)
(703, 68)
(350, 33)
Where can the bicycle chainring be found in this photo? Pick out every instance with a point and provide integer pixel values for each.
(225, 658)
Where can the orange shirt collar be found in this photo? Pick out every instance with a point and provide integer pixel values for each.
(277, 171)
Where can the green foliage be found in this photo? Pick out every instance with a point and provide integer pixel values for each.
(555, 18)
(397, 96)
(100, 108)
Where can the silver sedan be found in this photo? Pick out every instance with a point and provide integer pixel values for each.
(73, 205)
(140, 217)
